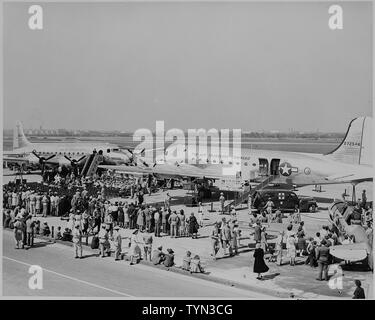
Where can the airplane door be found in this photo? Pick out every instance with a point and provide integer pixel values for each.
(263, 167)
(275, 167)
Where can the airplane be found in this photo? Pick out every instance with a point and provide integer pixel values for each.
(63, 154)
(350, 162)
(361, 249)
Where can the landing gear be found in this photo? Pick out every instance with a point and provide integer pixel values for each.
(353, 193)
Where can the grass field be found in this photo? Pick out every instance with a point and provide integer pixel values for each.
(321, 146)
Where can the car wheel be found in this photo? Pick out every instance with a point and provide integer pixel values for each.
(312, 208)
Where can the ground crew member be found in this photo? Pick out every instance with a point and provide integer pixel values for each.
(117, 241)
(77, 241)
(222, 202)
(173, 221)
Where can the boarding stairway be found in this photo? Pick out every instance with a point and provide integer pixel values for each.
(247, 191)
(91, 164)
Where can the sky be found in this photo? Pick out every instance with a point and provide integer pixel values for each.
(122, 66)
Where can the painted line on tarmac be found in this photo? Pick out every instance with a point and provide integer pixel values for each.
(74, 279)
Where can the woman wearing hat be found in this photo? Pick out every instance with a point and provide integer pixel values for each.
(259, 264)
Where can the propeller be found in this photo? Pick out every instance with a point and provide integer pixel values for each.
(134, 157)
(43, 160)
(74, 162)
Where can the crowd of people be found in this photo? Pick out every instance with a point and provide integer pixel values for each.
(312, 249)
(85, 205)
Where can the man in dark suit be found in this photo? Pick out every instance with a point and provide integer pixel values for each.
(323, 257)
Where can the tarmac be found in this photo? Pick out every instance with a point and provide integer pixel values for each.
(281, 281)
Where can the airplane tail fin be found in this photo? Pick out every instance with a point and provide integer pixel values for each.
(356, 147)
(19, 139)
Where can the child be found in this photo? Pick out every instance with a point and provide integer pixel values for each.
(195, 265)
(58, 234)
(186, 261)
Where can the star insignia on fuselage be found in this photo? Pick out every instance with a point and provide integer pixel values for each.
(286, 169)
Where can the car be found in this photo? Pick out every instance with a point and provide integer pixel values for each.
(285, 199)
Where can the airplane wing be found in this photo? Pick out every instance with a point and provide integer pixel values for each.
(350, 252)
(351, 177)
(168, 170)
(16, 159)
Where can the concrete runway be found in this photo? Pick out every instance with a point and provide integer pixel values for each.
(64, 276)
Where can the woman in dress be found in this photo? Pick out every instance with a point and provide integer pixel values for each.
(291, 249)
(193, 226)
(259, 264)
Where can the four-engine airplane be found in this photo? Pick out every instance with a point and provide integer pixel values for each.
(350, 162)
(62, 154)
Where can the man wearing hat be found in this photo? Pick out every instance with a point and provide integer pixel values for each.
(103, 240)
(169, 258)
(269, 205)
(117, 241)
(173, 221)
(77, 241)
